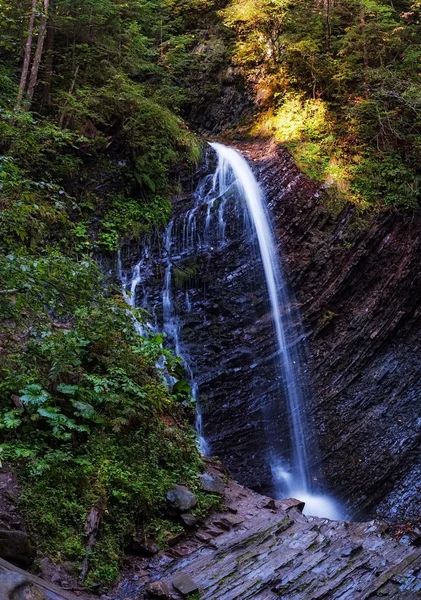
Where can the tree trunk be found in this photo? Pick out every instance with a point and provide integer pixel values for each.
(38, 52)
(365, 50)
(328, 26)
(71, 90)
(92, 524)
(49, 65)
(28, 50)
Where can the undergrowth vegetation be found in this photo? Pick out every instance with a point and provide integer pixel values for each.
(84, 410)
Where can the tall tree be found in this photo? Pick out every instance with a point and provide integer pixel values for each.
(28, 51)
(38, 52)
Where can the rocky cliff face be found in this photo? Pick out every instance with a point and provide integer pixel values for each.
(358, 287)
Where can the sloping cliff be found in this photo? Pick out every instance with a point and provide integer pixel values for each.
(359, 288)
(357, 285)
(259, 549)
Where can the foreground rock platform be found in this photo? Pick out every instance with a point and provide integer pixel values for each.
(260, 549)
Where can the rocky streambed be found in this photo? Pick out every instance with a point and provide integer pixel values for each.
(259, 549)
(254, 548)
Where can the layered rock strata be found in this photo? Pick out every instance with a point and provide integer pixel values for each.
(357, 284)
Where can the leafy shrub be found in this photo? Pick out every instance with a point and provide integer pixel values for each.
(82, 410)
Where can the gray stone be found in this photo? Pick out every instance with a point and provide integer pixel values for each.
(189, 520)
(184, 584)
(16, 548)
(69, 567)
(211, 483)
(180, 499)
(287, 504)
(268, 503)
(158, 589)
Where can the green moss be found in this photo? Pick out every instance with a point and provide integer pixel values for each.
(184, 273)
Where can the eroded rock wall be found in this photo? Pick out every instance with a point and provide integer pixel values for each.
(358, 285)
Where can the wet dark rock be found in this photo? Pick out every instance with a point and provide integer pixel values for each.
(184, 584)
(141, 546)
(290, 504)
(174, 539)
(180, 499)
(158, 589)
(188, 520)
(211, 483)
(357, 285)
(16, 547)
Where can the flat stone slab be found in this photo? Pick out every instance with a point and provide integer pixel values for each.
(289, 558)
(184, 584)
(180, 499)
(272, 551)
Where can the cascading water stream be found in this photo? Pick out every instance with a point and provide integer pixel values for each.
(234, 171)
(233, 165)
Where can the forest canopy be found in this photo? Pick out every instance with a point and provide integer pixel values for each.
(338, 81)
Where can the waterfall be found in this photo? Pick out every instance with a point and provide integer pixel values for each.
(234, 171)
(228, 204)
(172, 324)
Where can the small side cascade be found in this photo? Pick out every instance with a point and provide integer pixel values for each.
(226, 202)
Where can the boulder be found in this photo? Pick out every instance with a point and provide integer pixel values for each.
(268, 503)
(16, 586)
(211, 483)
(287, 504)
(10, 583)
(180, 499)
(16, 548)
(184, 584)
(157, 589)
(189, 520)
(141, 546)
